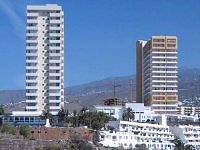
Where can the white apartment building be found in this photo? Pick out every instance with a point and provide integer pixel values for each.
(44, 58)
(189, 135)
(157, 74)
(129, 134)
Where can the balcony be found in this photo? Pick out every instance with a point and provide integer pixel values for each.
(32, 41)
(160, 52)
(54, 101)
(54, 47)
(54, 81)
(54, 67)
(31, 34)
(31, 107)
(55, 87)
(32, 14)
(31, 61)
(55, 41)
(31, 81)
(54, 94)
(54, 54)
(155, 71)
(31, 101)
(55, 14)
(31, 28)
(164, 105)
(31, 74)
(31, 67)
(54, 61)
(54, 74)
(31, 94)
(32, 21)
(31, 47)
(170, 91)
(31, 54)
(164, 62)
(55, 21)
(31, 87)
(54, 28)
(55, 34)
(54, 107)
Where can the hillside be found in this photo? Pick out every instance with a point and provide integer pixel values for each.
(96, 92)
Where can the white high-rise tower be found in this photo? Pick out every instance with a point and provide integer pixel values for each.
(44, 58)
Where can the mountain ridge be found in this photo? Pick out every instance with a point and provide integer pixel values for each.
(95, 92)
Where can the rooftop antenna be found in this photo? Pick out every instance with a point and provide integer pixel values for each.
(114, 89)
(131, 91)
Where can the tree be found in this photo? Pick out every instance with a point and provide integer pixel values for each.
(2, 112)
(67, 118)
(24, 130)
(61, 115)
(84, 109)
(128, 114)
(46, 115)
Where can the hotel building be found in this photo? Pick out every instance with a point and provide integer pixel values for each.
(132, 134)
(157, 74)
(44, 58)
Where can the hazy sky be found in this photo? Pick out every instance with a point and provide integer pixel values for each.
(100, 36)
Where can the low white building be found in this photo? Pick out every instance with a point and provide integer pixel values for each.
(142, 113)
(115, 111)
(189, 135)
(130, 134)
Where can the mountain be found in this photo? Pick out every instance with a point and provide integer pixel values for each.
(95, 92)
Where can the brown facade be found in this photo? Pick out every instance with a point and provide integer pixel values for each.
(56, 133)
(139, 72)
(114, 102)
(156, 73)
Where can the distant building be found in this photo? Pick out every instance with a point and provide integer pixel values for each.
(187, 110)
(189, 135)
(44, 58)
(114, 102)
(157, 74)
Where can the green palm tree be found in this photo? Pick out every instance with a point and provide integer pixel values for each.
(61, 114)
(46, 115)
(128, 114)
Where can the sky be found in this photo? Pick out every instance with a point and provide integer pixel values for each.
(100, 36)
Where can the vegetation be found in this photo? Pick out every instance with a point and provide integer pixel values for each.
(51, 147)
(179, 145)
(2, 112)
(6, 128)
(94, 120)
(24, 130)
(46, 115)
(128, 114)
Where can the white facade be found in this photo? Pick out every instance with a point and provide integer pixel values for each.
(128, 134)
(189, 135)
(114, 111)
(45, 58)
(142, 113)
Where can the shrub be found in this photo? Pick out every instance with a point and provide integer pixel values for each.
(24, 130)
(6, 128)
